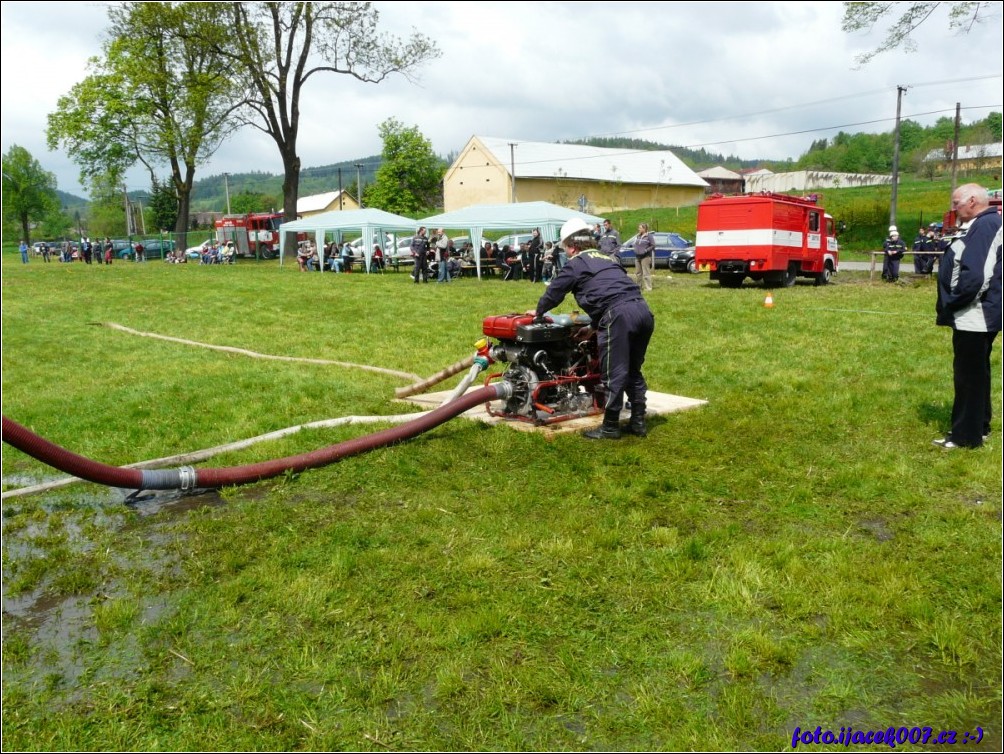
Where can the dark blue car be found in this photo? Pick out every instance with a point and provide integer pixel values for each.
(672, 251)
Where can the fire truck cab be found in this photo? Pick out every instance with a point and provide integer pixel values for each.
(770, 237)
(253, 235)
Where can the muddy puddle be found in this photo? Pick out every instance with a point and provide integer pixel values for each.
(73, 556)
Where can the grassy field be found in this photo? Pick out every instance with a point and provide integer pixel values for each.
(793, 554)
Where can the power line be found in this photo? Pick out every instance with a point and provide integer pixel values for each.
(827, 101)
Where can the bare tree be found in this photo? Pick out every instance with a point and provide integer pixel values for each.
(962, 17)
(278, 46)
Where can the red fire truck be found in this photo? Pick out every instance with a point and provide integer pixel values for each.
(949, 225)
(255, 234)
(770, 237)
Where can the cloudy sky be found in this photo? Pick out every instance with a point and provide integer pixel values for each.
(755, 80)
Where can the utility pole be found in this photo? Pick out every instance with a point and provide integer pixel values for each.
(512, 163)
(359, 184)
(226, 187)
(340, 202)
(955, 150)
(900, 91)
(128, 214)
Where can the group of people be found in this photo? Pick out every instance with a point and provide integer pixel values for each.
(534, 260)
(214, 253)
(85, 251)
(337, 258)
(435, 252)
(926, 247)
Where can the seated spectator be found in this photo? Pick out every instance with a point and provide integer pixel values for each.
(347, 257)
(376, 262)
(303, 255)
(511, 262)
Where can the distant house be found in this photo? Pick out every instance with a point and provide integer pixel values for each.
(204, 219)
(975, 157)
(810, 180)
(591, 179)
(330, 201)
(722, 180)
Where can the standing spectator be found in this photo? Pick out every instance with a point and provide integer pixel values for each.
(894, 249)
(140, 252)
(621, 318)
(109, 251)
(347, 257)
(86, 249)
(930, 250)
(969, 301)
(46, 252)
(420, 253)
(547, 269)
(644, 248)
(918, 248)
(24, 252)
(442, 257)
(610, 239)
(536, 259)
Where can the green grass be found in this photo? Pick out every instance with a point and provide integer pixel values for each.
(795, 553)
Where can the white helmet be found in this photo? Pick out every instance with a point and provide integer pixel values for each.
(572, 227)
(893, 229)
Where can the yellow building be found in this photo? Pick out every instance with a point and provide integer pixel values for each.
(975, 158)
(590, 179)
(330, 201)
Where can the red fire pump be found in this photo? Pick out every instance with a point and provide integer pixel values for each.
(552, 366)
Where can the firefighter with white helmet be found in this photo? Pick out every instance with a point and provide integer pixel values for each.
(894, 248)
(622, 319)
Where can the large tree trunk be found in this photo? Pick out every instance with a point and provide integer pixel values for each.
(290, 183)
(183, 189)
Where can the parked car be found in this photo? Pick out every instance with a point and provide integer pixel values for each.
(156, 248)
(513, 240)
(153, 248)
(402, 252)
(196, 252)
(672, 251)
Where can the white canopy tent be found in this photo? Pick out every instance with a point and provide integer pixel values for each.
(517, 216)
(370, 223)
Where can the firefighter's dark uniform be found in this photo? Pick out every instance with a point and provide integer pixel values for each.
(621, 318)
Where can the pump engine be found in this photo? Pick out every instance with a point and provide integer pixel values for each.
(552, 366)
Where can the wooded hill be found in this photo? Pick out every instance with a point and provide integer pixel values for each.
(846, 153)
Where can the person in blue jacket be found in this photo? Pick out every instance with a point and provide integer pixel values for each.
(969, 301)
(618, 312)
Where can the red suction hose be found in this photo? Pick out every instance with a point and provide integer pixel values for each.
(186, 478)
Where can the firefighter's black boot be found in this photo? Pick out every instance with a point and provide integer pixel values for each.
(609, 430)
(638, 427)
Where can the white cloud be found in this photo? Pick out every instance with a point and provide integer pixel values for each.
(718, 75)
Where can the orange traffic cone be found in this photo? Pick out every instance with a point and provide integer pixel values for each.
(769, 301)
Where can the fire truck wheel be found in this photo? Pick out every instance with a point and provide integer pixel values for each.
(264, 251)
(789, 277)
(824, 277)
